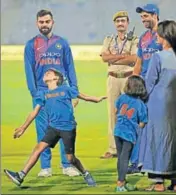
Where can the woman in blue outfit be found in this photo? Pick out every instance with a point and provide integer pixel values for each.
(159, 155)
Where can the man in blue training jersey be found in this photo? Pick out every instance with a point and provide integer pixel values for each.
(146, 48)
(148, 41)
(42, 52)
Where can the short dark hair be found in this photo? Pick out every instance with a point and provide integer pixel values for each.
(61, 78)
(57, 74)
(135, 86)
(153, 15)
(44, 12)
(167, 30)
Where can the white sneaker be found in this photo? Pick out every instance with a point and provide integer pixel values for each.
(70, 171)
(45, 173)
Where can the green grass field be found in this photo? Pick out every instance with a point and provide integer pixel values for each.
(91, 136)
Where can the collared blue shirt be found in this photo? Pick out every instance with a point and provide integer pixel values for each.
(130, 112)
(58, 105)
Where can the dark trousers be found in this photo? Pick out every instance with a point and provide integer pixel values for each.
(124, 149)
(173, 182)
(158, 178)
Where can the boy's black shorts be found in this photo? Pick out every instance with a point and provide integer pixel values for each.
(53, 135)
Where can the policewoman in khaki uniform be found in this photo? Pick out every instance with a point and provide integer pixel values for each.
(119, 51)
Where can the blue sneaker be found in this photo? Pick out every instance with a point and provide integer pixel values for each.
(89, 179)
(132, 169)
(120, 189)
(14, 177)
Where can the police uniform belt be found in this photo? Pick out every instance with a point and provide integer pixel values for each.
(120, 74)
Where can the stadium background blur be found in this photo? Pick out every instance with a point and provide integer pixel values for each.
(80, 21)
(84, 23)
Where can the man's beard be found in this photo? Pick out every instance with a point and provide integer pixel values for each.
(150, 25)
(45, 31)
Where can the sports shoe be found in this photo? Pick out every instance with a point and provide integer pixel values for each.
(130, 187)
(172, 186)
(120, 189)
(70, 171)
(45, 173)
(89, 179)
(14, 176)
(132, 169)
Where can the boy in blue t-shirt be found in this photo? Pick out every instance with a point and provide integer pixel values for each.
(131, 115)
(58, 105)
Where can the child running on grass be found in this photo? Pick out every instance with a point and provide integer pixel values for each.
(131, 115)
(57, 101)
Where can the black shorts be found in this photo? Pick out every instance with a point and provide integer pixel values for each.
(53, 135)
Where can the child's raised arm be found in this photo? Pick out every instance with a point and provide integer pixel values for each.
(91, 98)
(20, 130)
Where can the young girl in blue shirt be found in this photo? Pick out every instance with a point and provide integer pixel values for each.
(131, 113)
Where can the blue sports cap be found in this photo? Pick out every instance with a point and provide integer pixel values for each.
(149, 8)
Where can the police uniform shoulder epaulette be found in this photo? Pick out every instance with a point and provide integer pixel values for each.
(110, 37)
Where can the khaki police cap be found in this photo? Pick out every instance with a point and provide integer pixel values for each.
(120, 14)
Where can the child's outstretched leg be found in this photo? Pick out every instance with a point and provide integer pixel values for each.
(18, 177)
(69, 138)
(77, 163)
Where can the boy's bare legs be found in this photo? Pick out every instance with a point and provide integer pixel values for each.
(17, 177)
(76, 162)
(34, 156)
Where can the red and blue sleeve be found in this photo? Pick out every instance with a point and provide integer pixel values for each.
(29, 60)
(69, 67)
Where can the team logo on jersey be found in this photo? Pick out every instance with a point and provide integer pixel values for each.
(58, 46)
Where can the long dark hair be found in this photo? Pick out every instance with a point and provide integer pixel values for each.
(135, 86)
(167, 30)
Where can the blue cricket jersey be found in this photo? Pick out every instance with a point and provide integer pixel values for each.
(130, 112)
(41, 54)
(146, 48)
(59, 107)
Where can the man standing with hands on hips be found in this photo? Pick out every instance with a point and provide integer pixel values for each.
(119, 51)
